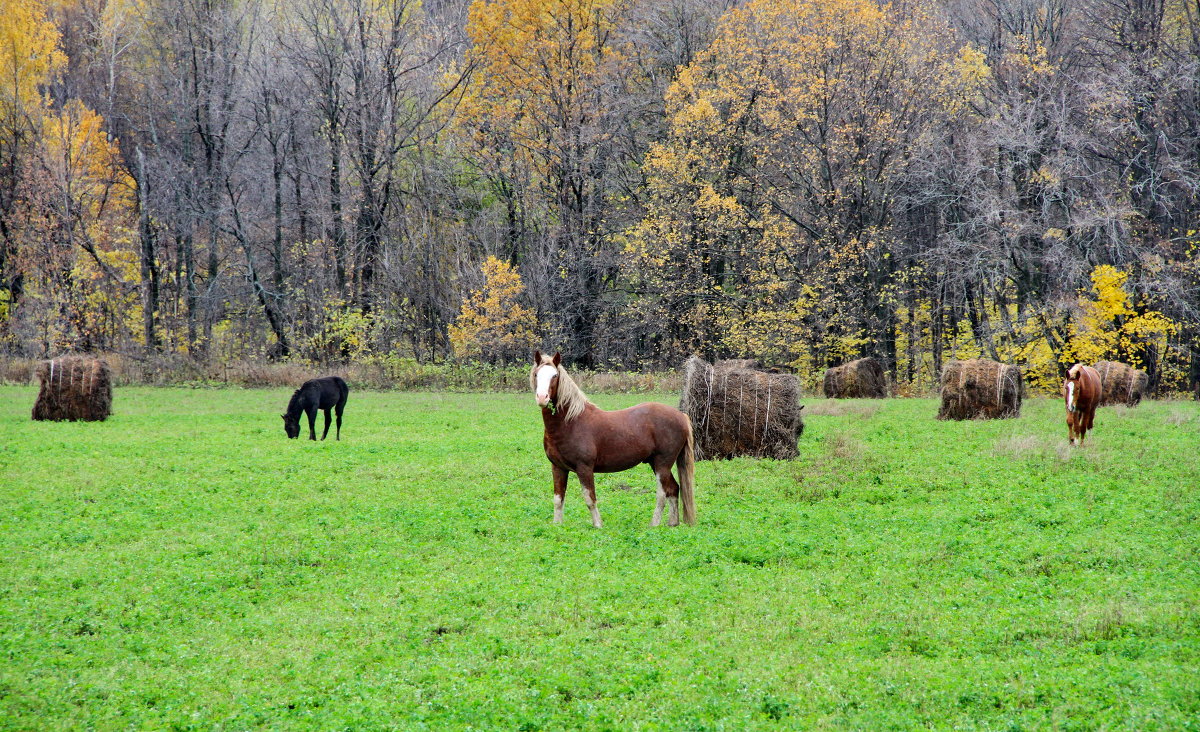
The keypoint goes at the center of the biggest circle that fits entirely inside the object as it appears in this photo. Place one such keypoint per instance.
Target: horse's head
(1071, 386)
(543, 378)
(291, 425)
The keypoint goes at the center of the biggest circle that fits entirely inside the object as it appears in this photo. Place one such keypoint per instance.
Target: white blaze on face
(544, 374)
(1071, 396)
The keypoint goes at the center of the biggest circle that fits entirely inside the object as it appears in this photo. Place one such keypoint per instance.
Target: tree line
(632, 181)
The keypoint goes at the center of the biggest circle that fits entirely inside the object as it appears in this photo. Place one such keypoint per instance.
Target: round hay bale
(1123, 384)
(733, 364)
(980, 389)
(73, 388)
(863, 378)
(741, 411)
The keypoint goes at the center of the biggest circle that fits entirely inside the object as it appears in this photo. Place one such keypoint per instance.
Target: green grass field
(183, 565)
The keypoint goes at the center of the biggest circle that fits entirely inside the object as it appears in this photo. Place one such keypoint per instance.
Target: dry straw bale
(731, 364)
(73, 388)
(980, 389)
(741, 411)
(1123, 384)
(860, 379)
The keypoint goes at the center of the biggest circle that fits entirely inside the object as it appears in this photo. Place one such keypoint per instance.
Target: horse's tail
(686, 464)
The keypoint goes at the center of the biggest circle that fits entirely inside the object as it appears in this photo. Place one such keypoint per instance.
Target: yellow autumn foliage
(538, 67)
(1110, 327)
(493, 326)
(29, 56)
(754, 234)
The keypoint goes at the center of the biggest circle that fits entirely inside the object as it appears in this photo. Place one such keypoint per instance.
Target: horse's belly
(616, 466)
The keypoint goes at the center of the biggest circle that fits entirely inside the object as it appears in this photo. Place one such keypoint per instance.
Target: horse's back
(330, 390)
(1092, 386)
(656, 411)
(665, 425)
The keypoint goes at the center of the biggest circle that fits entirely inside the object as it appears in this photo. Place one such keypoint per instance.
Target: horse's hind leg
(338, 411)
(588, 484)
(668, 491)
(328, 418)
(659, 502)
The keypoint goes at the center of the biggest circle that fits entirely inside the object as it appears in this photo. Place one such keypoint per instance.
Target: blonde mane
(571, 398)
(1075, 371)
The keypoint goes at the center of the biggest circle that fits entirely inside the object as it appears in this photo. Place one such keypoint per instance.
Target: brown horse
(1081, 390)
(584, 439)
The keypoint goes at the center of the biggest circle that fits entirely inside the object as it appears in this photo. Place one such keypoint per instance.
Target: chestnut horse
(584, 439)
(1081, 390)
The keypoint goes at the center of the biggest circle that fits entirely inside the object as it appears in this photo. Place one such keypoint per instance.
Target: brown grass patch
(1177, 418)
(1100, 624)
(835, 408)
(1020, 445)
(845, 447)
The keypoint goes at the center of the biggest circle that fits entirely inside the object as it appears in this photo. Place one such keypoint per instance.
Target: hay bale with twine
(739, 411)
(73, 388)
(1123, 384)
(980, 389)
(860, 379)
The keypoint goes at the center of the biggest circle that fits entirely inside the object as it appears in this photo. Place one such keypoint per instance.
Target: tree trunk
(148, 262)
(335, 205)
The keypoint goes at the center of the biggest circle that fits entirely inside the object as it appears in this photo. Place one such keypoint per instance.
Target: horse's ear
(557, 358)
(283, 417)
(537, 357)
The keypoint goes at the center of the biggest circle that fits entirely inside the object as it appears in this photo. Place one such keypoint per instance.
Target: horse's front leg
(588, 484)
(312, 424)
(328, 419)
(560, 491)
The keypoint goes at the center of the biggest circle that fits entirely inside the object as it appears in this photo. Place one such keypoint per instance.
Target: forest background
(632, 181)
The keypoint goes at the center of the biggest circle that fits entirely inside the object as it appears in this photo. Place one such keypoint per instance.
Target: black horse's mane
(294, 407)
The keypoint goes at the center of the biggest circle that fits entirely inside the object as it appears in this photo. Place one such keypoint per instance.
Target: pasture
(183, 565)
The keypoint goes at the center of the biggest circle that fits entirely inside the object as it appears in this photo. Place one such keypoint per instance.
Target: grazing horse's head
(291, 425)
(544, 378)
(291, 418)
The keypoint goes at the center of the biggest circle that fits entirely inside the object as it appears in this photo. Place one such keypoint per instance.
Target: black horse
(327, 392)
